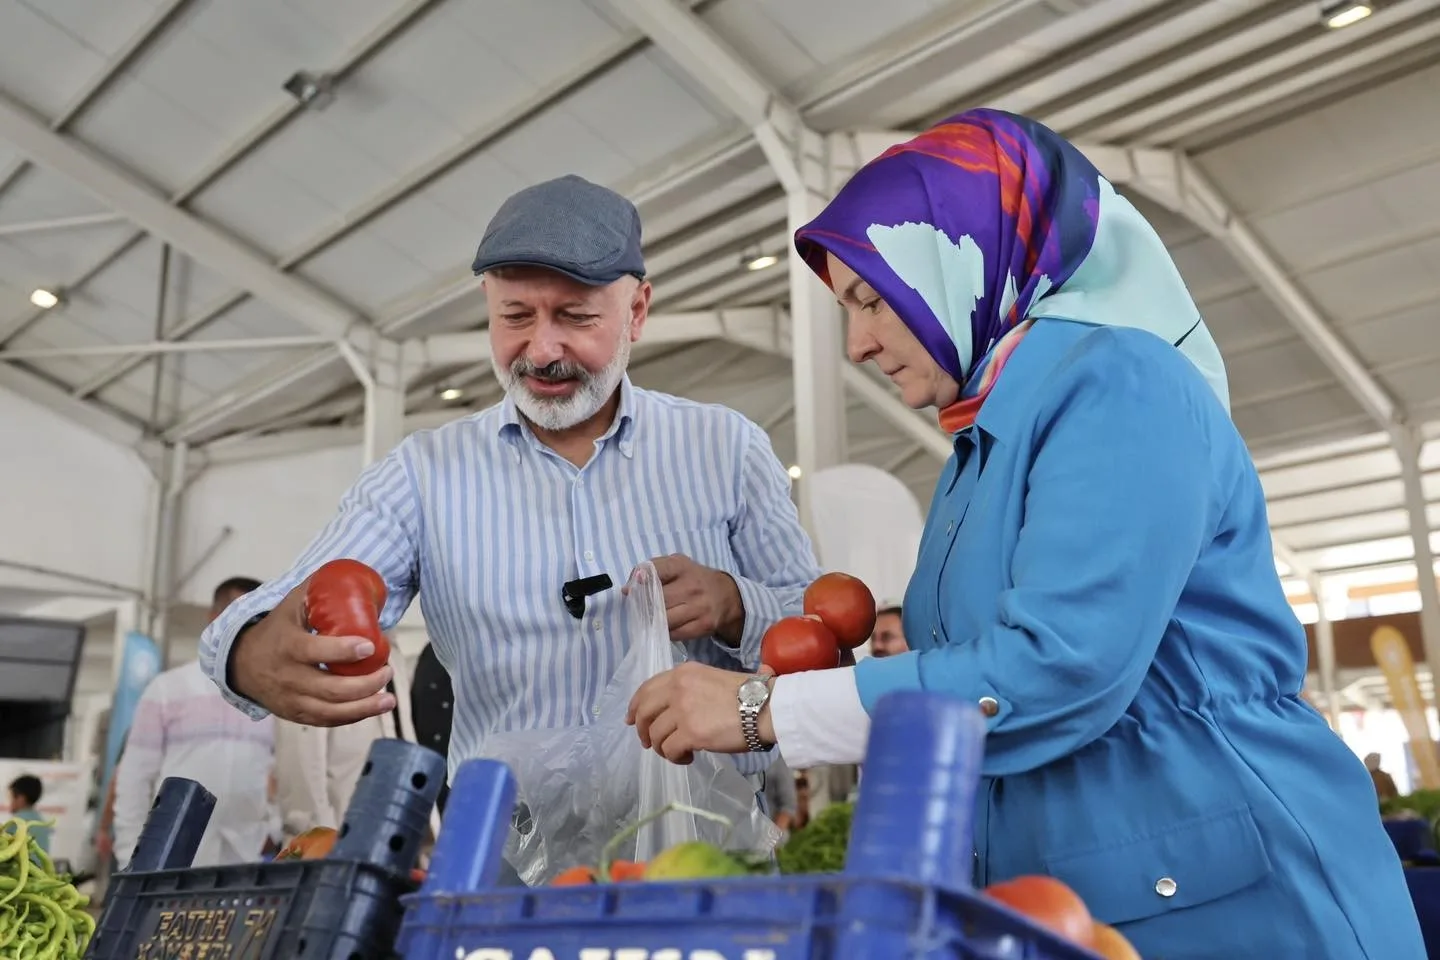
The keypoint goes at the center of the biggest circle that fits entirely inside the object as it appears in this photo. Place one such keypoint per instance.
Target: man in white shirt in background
(184, 727)
(317, 768)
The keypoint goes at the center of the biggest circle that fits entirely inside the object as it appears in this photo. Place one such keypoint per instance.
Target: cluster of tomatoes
(839, 615)
(1048, 903)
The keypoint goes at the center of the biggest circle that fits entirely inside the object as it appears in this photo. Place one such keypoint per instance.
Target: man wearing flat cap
(507, 522)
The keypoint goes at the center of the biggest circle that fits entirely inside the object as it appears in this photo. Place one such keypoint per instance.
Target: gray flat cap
(570, 225)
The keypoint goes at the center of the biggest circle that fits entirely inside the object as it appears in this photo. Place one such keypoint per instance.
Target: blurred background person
(184, 727)
(1385, 788)
(888, 638)
(317, 768)
(25, 793)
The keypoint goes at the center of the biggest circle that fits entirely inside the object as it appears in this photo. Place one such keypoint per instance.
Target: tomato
(1048, 903)
(797, 644)
(1111, 944)
(574, 877)
(845, 605)
(417, 876)
(343, 599)
(623, 871)
(314, 844)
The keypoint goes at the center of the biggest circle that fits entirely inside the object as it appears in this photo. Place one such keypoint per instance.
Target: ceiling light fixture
(314, 91)
(451, 393)
(795, 471)
(44, 299)
(761, 262)
(1344, 13)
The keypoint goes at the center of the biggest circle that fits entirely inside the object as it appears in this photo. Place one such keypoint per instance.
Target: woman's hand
(693, 707)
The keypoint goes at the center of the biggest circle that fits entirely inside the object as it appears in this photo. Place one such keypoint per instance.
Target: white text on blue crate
(622, 953)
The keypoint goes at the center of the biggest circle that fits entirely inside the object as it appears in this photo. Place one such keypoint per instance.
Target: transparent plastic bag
(581, 786)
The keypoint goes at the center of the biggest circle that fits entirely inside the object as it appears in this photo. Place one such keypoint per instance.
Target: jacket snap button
(990, 706)
(1165, 887)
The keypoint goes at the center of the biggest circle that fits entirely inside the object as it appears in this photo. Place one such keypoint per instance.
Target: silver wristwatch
(753, 695)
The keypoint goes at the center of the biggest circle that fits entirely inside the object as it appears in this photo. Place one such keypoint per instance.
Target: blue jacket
(1096, 570)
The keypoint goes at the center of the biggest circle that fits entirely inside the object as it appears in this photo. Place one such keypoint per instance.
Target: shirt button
(1165, 886)
(596, 711)
(989, 706)
(596, 623)
(589, 554)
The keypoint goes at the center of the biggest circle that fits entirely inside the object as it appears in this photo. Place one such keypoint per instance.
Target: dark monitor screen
(38, 659)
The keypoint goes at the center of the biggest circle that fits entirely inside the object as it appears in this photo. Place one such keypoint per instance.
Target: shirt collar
(1009, 400)
(622, 429)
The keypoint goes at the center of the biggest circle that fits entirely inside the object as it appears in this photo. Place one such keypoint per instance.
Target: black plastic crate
(343, 907)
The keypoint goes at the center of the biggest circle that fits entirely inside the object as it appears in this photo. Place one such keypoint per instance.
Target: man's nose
(546, 345)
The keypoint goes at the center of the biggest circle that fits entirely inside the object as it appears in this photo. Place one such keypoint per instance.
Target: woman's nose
(860, 342)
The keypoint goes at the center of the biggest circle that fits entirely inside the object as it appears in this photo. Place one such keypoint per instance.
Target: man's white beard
(562, 413)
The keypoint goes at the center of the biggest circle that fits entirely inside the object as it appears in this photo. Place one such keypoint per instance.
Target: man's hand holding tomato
(276, 663)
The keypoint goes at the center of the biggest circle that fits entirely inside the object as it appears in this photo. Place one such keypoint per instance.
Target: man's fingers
(669, 568)
(313, 712)
(333, 688)
(661, 730)
(313, 649)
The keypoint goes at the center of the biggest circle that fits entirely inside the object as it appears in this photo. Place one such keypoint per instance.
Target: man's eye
(872, 306)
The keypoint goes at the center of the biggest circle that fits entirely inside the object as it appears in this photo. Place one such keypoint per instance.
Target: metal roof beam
(192, 235)
(1173, 180)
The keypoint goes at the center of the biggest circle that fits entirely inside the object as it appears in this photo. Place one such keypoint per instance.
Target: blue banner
(138, 666)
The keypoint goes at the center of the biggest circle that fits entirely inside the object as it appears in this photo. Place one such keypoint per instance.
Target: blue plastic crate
(343, 907)
(905, 893)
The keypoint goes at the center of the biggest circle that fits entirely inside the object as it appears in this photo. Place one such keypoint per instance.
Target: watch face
(753, 692)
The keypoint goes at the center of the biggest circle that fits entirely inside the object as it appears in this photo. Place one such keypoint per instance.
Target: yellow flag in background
(1392, 653)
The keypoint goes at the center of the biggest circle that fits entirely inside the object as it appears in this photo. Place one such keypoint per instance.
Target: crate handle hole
(419, 780)
(300, 947)
(397, 843)
(345, 828)
(366, 769)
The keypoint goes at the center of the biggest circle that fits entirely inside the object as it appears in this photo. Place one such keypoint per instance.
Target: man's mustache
(552, 372)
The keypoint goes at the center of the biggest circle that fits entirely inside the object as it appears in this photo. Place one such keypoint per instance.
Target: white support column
(384, 374)
(1325, 650)
(800, 160)
(1408, 446)
(165, 524)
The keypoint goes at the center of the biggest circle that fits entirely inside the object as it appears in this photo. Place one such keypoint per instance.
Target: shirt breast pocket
(707, 546)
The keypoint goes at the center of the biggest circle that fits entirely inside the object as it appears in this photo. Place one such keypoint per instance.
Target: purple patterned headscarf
(988, 221)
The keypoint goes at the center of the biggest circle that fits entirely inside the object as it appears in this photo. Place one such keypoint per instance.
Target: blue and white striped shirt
(486, 524)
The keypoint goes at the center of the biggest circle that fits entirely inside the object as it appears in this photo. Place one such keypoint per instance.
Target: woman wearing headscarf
(1096, 572)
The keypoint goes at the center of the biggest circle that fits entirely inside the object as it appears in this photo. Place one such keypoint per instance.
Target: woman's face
(876, 333)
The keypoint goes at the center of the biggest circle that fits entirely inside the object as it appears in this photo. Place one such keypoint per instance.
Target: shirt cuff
(762, 609)
(875, 677)
(218, 668)
(819, 719)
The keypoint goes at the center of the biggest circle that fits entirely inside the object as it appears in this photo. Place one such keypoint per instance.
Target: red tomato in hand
(1048, 903)
(797, 644)
(343, 599)
(845, 605)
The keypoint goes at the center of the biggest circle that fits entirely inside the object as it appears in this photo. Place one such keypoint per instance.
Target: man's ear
(640, 309)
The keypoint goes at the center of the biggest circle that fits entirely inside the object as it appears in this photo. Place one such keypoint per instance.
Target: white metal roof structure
(238, 266)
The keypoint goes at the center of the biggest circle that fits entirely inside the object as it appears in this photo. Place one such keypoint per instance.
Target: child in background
(25, 794)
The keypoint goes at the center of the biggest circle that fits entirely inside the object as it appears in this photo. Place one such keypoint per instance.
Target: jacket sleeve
(1121, 497)
(377, 523)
